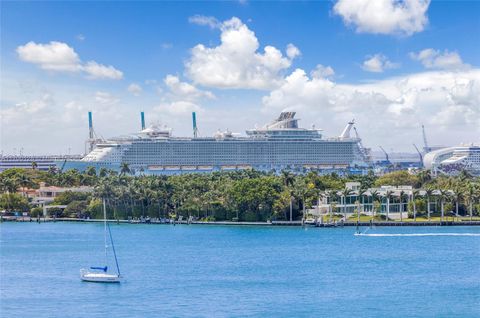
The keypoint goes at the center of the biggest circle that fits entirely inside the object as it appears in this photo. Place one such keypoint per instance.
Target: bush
(419, 204)
(76, 209)
(35, 212)
(209, 219)
(249, 216)
(13, 202)
(94, 209)
(448, 207)
(68, 196)
(57, 212)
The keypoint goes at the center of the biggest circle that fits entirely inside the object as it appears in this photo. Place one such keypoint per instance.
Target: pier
(271, 223)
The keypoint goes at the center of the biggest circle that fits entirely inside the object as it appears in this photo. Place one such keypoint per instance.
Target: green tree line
(246, 195)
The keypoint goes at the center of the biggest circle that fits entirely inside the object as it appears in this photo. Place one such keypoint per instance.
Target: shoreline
(231, 223)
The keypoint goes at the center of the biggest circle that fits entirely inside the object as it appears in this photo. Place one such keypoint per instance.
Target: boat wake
(418, 234)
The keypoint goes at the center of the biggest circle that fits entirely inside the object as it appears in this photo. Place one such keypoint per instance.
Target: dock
(240, 223)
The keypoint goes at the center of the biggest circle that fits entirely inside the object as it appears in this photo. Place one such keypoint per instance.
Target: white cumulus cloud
(54, 56)
(198, 19)
(403, 17)
(378, 63)
(135, 89)
(435, 59)
(321, 71)
(29, 108)
(59, 57)
(184, 90)
(292, 51)
(447, 101)
(99, 71)
(175, 108)
(105, 98)
(236, 62)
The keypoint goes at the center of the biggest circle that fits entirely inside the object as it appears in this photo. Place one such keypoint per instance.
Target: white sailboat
(99, 274)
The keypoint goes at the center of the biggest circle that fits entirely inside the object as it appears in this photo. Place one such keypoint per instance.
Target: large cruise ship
(280, 145)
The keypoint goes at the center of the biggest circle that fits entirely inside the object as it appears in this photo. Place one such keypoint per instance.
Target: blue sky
(148, 41)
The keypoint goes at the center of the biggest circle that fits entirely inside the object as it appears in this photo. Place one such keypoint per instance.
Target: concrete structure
(453, 160)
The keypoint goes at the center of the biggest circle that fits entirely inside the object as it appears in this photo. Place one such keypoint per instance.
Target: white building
(46, 194)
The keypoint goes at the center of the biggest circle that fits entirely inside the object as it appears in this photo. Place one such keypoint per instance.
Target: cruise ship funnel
(194, 122)
(90, 125)
(142, 118)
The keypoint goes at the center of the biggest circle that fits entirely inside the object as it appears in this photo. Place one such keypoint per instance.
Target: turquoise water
(221, 271)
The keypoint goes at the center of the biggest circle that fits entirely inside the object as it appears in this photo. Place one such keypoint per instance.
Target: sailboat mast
(113, 248)
(105, 229)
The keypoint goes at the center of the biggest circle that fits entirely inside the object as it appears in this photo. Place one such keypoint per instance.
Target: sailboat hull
(99, 277)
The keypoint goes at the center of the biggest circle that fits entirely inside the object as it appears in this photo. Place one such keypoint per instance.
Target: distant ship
(38, 162)
(453, 160)
(276, 146)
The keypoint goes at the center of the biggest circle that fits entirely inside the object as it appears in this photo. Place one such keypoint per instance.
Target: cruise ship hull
(171, 157)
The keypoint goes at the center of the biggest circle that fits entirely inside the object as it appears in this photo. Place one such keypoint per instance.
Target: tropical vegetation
(246, 195)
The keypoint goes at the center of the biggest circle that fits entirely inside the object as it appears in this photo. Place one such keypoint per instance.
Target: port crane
(387, 158)
(420, 155)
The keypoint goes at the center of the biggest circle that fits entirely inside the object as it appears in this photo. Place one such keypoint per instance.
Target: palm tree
(124, 168)
(361, 195)
(401, 196)
(288, 179)
(8, 185)
(302, 189)
(90, 171)
(34, 165)
(102, 190)
(388, 195)
(444, 195)
(375, 198)
(457, 196)
(424, 176)
(321, 195)
(344, 194)
(51, 170)
(464, 175)
(470, 196)
(333, 196)
(428, 194)
(415, 193)
(24, 181)
(103, 172)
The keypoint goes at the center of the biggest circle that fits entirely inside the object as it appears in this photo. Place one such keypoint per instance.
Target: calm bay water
(222, 271)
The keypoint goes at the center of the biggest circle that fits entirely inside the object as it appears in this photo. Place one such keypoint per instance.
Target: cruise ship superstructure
(280, 145)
